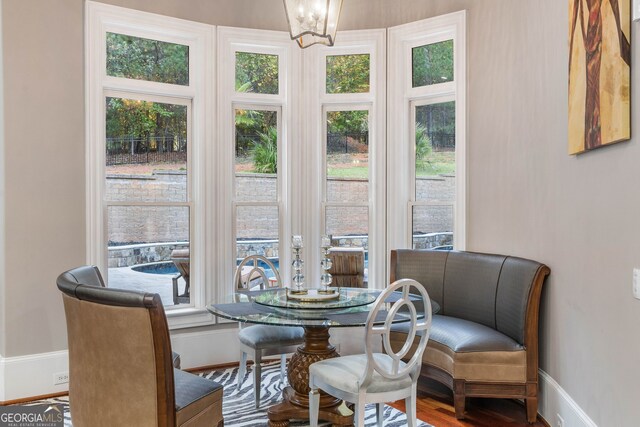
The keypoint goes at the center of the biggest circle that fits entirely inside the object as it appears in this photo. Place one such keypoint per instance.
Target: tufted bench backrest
(493, 290)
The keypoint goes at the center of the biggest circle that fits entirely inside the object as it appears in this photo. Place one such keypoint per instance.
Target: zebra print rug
(238, 406)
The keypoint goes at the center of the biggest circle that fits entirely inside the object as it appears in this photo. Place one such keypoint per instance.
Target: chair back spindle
(419, 324)
(249, 269)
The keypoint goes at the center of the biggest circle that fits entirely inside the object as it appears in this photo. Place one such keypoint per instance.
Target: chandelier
(313, 21)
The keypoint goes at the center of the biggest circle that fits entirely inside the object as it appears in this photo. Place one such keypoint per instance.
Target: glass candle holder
(297, 264)
(326, 279)
(296, 241)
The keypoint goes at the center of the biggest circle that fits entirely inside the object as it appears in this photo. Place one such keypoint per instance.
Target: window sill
(189, 317)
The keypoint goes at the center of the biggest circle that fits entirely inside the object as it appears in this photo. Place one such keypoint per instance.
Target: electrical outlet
(60, 378)
(636, 283)
(559, 421)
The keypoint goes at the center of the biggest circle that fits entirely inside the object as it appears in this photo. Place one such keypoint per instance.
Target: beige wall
(2, 200)
(44, 173)
(527, 197)
(261, 14)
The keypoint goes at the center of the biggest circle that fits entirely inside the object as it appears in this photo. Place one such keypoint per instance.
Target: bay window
(208, 144)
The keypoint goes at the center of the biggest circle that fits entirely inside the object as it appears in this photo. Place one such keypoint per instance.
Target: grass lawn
(438, 163)
(349, 172)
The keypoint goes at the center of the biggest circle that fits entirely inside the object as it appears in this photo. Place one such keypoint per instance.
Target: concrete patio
(161, 284)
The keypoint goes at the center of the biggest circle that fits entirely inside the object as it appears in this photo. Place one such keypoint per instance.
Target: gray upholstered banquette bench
(484, 340)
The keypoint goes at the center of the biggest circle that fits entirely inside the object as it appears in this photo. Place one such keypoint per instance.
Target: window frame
(303, 104)
(230, 41)
(198, 96)
(326, 109)
(403, 98)
(372, 42)
(440, 98)
(278, 203)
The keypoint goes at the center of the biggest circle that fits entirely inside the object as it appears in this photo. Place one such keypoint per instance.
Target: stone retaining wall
(129, 225)
(126, 256)
(129, 255)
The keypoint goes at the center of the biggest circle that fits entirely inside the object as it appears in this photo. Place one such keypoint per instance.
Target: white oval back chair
(257, 341)
(378, 377)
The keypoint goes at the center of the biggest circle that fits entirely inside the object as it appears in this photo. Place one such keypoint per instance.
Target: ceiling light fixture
(313, 21)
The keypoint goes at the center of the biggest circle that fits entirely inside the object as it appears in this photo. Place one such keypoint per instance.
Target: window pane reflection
(348, 156)
(432, 63)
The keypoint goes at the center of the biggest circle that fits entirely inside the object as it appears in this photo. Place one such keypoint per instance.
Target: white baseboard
(206, 348)
(32, 375)
(221, 346)
(28, 376)
(2, 399)
(555, 400)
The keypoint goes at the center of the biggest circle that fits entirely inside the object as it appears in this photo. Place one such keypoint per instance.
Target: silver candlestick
(297, 264)
(326, 263)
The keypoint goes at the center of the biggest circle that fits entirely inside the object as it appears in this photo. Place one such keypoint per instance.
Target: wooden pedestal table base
(296, 396)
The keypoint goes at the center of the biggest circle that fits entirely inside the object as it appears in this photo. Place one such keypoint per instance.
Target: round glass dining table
(349, 308)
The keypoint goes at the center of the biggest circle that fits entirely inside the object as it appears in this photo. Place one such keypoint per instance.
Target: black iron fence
(442, 141)
(338, 143)
(245, 143)
(128, 150)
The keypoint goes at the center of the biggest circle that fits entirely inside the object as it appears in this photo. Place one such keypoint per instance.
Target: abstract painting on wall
(599, 73)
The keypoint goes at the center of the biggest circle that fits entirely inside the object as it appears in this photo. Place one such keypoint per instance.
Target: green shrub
(265, 152)
(423, 147)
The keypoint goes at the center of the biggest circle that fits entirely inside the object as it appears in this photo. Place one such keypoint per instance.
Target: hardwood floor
(435, 406)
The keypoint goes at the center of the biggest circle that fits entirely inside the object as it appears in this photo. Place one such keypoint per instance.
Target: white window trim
(199, 94)
(230, 41)
(370, 42)
(302, 104)
(400, 150)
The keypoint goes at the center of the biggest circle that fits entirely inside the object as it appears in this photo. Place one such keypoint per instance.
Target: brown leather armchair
(90, 275)
(120, 360)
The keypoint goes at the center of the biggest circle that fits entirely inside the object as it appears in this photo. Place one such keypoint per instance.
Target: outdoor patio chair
(347, 267)
(180, 258)
(257, 341)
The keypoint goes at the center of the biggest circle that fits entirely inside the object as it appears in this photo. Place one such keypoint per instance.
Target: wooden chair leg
(459, 399)
(187, 289)
(175, 289)
(532, 409)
